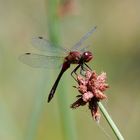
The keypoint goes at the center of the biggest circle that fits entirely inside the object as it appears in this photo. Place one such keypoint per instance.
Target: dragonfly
(58, 57)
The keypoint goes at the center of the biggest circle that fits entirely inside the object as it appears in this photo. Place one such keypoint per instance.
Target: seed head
(91, 88)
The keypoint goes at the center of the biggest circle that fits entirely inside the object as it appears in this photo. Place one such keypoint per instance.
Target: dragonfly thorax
(73, 57)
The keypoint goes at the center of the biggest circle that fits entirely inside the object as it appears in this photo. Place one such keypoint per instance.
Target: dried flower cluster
(91, 86)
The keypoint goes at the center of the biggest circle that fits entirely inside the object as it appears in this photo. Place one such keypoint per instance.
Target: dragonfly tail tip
(50, 97)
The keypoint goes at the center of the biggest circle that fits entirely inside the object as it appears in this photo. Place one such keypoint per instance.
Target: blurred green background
(24, 111)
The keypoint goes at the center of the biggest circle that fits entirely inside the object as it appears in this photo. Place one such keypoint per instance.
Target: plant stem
(110, 122)
(66, 116)
(37, 110)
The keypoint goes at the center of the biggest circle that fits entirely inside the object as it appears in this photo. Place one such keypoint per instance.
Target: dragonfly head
(87, 56)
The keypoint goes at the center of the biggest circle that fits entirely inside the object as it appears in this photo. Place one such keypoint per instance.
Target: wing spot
(28, 53)
(40, 37)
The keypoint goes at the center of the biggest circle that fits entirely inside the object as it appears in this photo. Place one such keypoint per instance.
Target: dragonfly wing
(41, 61)
(44, 45)
(77, 46)
(85, 48)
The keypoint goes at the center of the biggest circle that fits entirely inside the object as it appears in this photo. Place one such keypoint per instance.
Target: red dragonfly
(61, 57)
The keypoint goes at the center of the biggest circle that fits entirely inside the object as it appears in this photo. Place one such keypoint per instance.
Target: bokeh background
(24, 111)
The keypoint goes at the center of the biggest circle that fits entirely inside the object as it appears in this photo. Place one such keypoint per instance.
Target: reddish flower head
(91, 86)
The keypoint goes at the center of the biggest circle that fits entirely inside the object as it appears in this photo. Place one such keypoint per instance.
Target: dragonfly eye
(87, 56)
(86, 53)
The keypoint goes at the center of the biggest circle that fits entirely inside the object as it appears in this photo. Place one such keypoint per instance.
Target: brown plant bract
(91, 88)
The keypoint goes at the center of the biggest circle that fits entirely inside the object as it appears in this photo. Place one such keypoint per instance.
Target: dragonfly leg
(84, 68)
(87, 67)
(74, 72)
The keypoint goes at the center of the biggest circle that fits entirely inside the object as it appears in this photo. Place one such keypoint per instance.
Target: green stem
(53, 22)
(110, 122)
(66, 116)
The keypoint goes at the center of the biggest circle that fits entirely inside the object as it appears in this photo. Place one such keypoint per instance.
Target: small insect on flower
(91, 88)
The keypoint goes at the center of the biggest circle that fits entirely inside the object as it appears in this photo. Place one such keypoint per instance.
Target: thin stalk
(37, 109)
(67, 120)
(110, 122)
